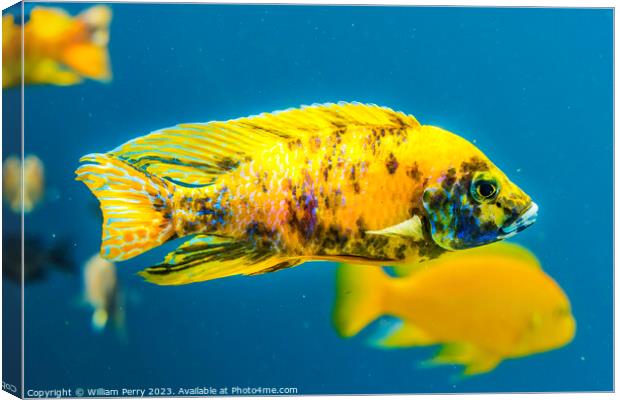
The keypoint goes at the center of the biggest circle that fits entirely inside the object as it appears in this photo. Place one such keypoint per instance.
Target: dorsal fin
(194, 154)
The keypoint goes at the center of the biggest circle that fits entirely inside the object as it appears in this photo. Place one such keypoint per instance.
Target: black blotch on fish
(398, 120)
(307, 223)
(436, 200)
(361, 227)
(391, 164)
(352, 174)
(294, 143)
(293, 220)
(511, 214)
(255, 230)
(427, 248)
(279, 266)
(158, 204)
(474, 164)
(449, 179)
(376, 246)
(414, 172)
(227, 163)
(338, 197)
(488, 226)
(316, 141)
(333, 238)
(400, 252)
(337, 134)
(414, 209)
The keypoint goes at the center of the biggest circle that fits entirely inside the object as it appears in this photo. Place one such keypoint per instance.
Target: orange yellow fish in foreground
(484, 305)
(343, 182)
(58, 49)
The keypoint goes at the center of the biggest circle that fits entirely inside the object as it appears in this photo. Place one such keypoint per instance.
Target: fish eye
(484, 188)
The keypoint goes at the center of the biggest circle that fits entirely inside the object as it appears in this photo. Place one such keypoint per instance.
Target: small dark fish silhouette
(39, 258)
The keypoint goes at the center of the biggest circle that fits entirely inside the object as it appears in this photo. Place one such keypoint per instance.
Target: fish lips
(527, 218)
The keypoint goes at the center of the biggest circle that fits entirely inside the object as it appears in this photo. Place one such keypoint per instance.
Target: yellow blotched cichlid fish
(58, 49)
(337, 182)
(483, 305)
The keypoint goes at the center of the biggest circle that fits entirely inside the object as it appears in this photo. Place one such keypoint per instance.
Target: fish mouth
(527, 218)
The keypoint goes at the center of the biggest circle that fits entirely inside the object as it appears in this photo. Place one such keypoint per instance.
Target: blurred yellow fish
(58, 49)
(34, 182)
(102, 293)
(484, 305)
(341, 182)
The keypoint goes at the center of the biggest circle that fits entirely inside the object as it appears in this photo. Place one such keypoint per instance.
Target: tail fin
(360, 294)
(137, 214)
(90, 58)
(97, 19)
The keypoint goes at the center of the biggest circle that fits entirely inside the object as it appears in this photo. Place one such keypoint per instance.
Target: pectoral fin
(408, 335)
(410, 228)
(205, 258)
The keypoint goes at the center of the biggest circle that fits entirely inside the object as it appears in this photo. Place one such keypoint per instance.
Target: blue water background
(531, 87)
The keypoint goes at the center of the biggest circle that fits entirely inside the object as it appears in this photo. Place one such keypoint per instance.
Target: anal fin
(476, 361)
(481, 365)
(204, 258)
